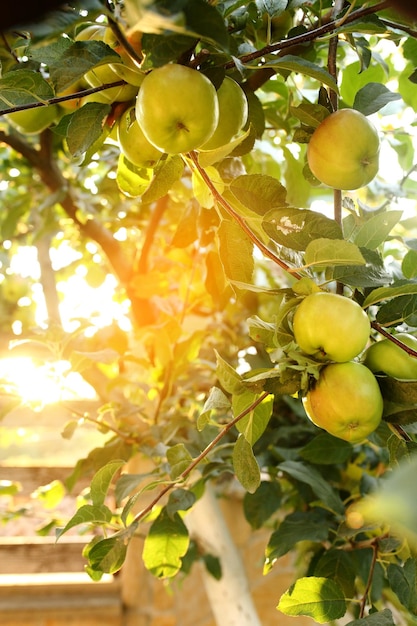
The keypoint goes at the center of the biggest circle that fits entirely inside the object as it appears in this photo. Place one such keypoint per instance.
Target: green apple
(343, 151)
(33, 121)
(233, 114)
(385, 356)
(345, 401)
(177, 108)
(133, 142)
(330, 326)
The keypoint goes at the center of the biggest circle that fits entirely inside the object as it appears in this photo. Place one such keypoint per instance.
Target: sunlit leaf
(108, 555)
(165, 544)
(386, 293)
(375, 230)
(252, 425)
(235, 250)
(259, 192)
(245, 465)
(87, 514)
(318, 597)
(321, 253)
(179, 459)
(297, 228)
(102, 480)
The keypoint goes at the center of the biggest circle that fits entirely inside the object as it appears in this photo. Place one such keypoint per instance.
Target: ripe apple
(385, 356)
(330, 326)
(345, 401)
(133, 142)
(33, 121)
(233, 114)
(177, 108)
(343, 151)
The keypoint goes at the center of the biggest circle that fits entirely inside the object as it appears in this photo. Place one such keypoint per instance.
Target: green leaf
(87, 514)
(354, 78)
(229, 379)
(253, 425)
(206, 21)
(387, 293)
(180, 500)
(326, 450)
(381, 618)
(108, 555)
(309, 475)
(131, 180)
(370, 275)
(374, 231)
(179, 459)
(302, 66)
(299, 526)
(166, 174)
(165, 544)
(260, 505)
(259, 192)
(322, 253)
(309, 114)
(399, 391)
(245, 465)
(235, 250)
(319, 598)
(398, 310)
(372, 97)
(297, 228)
(22, 87)
(9, 488)
(402, 580)
(409, 264)
(340, 567)
(102, 480)
(86, 126)
(216, 401)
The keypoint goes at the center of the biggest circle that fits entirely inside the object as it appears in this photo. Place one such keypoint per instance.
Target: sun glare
(39, 385)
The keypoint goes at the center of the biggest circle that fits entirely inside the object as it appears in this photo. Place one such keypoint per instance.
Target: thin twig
(394, 339)
(362, 605)
(200, 457)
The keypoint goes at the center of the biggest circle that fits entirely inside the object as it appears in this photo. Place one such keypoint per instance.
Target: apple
(343, 151)
(331, 327)
(33, 121)
(133, 142)
(385, 356)
(233, 114)
(345, 401)
(177, 108)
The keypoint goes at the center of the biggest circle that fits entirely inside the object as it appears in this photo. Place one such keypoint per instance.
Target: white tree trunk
(229, 597)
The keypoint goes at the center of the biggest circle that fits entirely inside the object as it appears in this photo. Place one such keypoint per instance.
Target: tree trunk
(229, 597)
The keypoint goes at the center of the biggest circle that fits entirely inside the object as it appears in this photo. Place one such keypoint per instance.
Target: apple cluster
(346, 400)
(172, 109)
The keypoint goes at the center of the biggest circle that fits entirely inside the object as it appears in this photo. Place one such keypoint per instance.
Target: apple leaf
(375, 230)
(85, 127)
(235, 250)
(381, 618)
(372, 274)
(302, 66)
(108, 555)
(22, 87)
(260, 505)
(322, 253)
(318, 597)
(399, 391)
(310, 114)
(102, 479)
(252, 425)
(409, 264)
(245, 465)
(259, 192)
(387, 293)
(273, 8)
(298, 526)
(165, 175)
(326, 450)
(398, 310)
(165, 544)
(372, 97)
(307, 474)
(179, 459)
(131, 180)
(297, 228)
(216, 401)
(87, 514)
